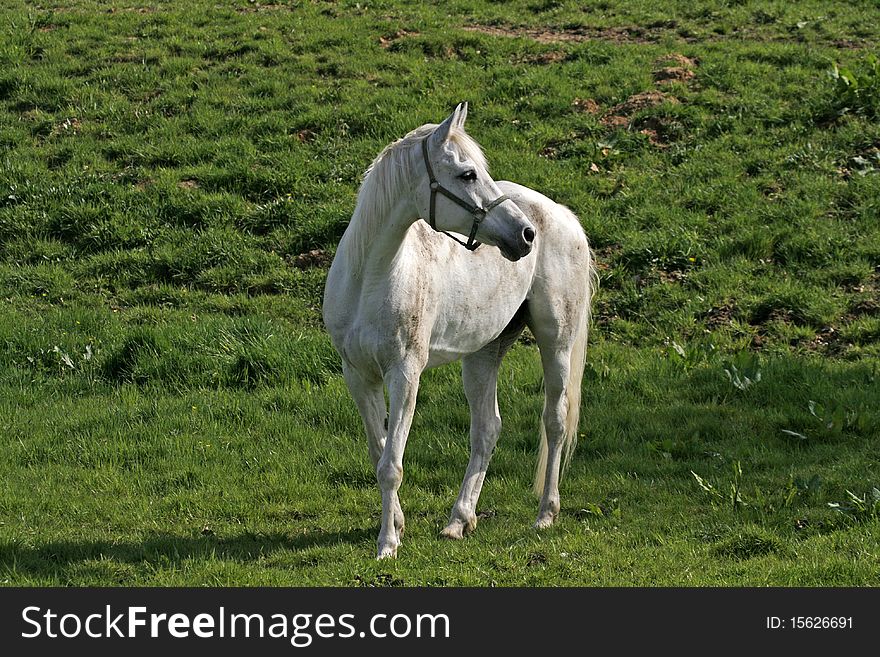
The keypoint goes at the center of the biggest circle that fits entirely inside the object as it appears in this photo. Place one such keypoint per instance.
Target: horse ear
(454, 120)
(462, 114)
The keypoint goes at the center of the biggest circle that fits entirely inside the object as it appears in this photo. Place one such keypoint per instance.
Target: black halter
(478, 212)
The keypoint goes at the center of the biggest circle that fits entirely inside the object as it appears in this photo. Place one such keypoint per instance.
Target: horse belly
(464, 332)
(480, 293)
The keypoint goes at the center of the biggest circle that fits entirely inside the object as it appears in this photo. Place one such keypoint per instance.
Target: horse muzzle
(520, 246)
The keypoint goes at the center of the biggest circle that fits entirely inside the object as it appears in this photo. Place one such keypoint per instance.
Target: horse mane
(383, 182)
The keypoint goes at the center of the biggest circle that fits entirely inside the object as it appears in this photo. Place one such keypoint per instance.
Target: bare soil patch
(587, 105)
(314, 258)
(674, 67)
(654, 128)
(254, 7)
(624, 34)
(677, 59)
(388, 40)
(642, 101)
(669, 74)
(718, 316)
(544, 58)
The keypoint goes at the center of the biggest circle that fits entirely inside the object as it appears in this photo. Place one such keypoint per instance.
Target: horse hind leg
(479, 373)
(562, 341)
(553, 437)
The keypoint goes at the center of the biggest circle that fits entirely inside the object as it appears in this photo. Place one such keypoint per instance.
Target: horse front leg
(366, 390)
(403, 385)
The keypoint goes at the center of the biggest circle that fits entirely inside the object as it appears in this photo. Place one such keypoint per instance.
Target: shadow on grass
(167, 549)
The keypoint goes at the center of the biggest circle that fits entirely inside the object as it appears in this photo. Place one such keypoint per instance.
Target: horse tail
(573, 386)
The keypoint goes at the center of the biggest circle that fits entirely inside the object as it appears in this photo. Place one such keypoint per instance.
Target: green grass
(172, 413)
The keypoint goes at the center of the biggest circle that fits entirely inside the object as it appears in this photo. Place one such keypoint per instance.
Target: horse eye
(469, 175)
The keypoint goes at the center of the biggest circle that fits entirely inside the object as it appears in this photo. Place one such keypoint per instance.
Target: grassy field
(174, 178)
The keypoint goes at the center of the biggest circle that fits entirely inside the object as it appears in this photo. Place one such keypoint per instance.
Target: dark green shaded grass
(173, 413)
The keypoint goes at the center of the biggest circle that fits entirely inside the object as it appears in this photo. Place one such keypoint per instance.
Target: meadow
(174, 178)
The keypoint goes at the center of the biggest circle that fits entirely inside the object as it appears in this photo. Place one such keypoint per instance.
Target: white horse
(401, 297)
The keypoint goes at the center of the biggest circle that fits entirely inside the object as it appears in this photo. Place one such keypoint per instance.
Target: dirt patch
(677, 59)
(312, 259)
(550, 152)
(605, 255)
(536, 559)
(718, 316)
(674, 67)
(306, 136)
(254, 7)
(587, 105)
(670, 74)
(624, 34)
(867, 299)
(654, 137)
(767, 315)
(848, 44)
(388, 40)
(865, 308)
(542, 59)
(671, 276)
(615, 122)
(70, 126)
(642, 101)
(658, 129)
(649, 34)
(188, 183)
(827, 341)
(620, 116)
(133, 10)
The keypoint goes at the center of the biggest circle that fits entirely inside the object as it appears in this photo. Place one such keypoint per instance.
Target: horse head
(471, 203)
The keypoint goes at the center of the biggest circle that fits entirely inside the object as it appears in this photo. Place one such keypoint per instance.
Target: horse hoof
(459, 527)
(544, 521)
(453, 531)
(387, 552)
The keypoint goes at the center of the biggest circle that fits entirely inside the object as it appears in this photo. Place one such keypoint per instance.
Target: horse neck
(383, 246)
(377, 230)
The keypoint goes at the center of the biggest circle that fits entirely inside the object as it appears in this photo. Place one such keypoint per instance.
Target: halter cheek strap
(479, 213)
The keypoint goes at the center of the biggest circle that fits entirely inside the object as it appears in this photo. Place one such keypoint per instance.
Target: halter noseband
(478, 213)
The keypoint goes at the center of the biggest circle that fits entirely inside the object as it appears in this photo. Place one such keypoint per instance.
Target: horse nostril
(529, 234)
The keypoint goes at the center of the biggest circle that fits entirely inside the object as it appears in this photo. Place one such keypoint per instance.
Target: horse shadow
(167, 549)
